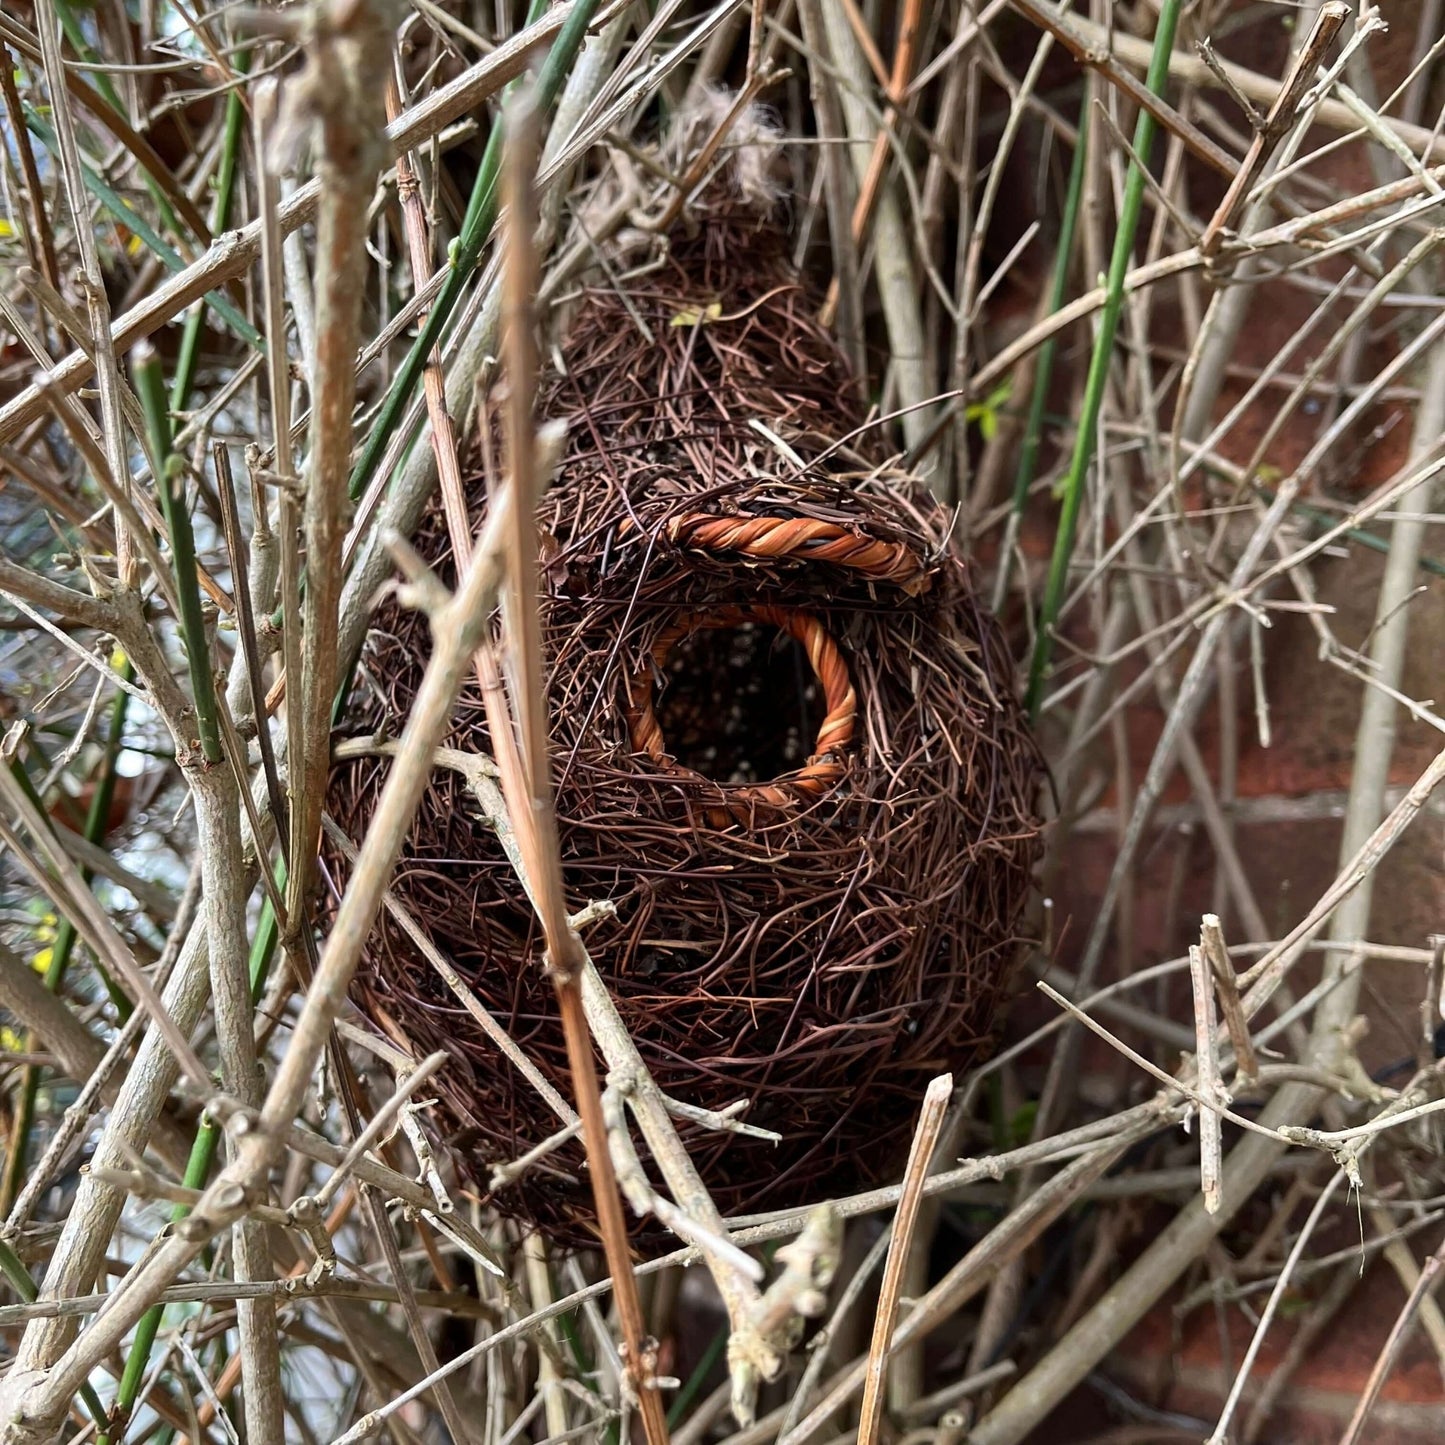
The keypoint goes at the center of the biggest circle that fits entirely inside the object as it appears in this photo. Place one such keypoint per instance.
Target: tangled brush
(786, 747)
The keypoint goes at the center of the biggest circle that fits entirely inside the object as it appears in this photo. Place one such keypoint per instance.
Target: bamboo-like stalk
(169, 473)
(895, 266)
(1102, 358)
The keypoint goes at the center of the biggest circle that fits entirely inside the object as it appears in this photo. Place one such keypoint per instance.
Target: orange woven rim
(808, 540)
(742, 804)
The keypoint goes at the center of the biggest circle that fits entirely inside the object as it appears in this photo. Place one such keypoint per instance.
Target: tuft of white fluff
(748, 159)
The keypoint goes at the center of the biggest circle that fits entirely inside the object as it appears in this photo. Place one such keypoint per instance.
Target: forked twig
(1329, 20)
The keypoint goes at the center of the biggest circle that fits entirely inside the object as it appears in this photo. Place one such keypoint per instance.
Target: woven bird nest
(786, 747)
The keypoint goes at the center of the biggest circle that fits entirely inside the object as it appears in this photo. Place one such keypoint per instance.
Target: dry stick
(1187, 703)
(298, 1280)
(1329, 19)
(747, 1352)
(55, 874)
(1206, 1064)
(347, 63)
(1124, 1129)
(1172, 1083)
(1348, 902)
(81, 1249)
(837, 187)
(827, 1338)
(1401, 1258)
(1286, 234)
(65, 504)
(232, 254)
(454, 981)
(1302, 1346)
(1097, 57)
(475, 333)
(871, 182)
(930, 1122)
(1400, 1109)
(1430, 1004)
(278, 383)
(109, 118)
(1014, 1234)
(271, 245)
(1204, 368)
(131, 512)
(1122, 1305)
(1352, 881)
(443, 434)
(893, 247)
(444, 445)
(1191, 691)
(354, 59)
(549, 1378)
(866, 44)
(1092, 39)
(529, 796)
(375, 1126)
(254, 569)
(170, 1142)
(91, 278)
(30, 1401)
(1394, 1343)
(225, 888)
(1220, 1434)
(1418, 254)
(153, 1073)
(77, 1051)
(39, 231)
(1211, 939)
(77, 328)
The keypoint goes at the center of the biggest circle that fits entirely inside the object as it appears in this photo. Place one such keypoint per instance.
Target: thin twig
(530, 795)
(930, 1122)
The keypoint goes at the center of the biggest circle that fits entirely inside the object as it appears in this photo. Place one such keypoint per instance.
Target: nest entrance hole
(740, 704)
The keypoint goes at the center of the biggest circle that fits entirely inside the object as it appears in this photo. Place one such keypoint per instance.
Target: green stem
(1083, 456)
(190, 350)
(695, 1381)
(198, 1168)
(169, 474)
(467, 249)
(1058, 289)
